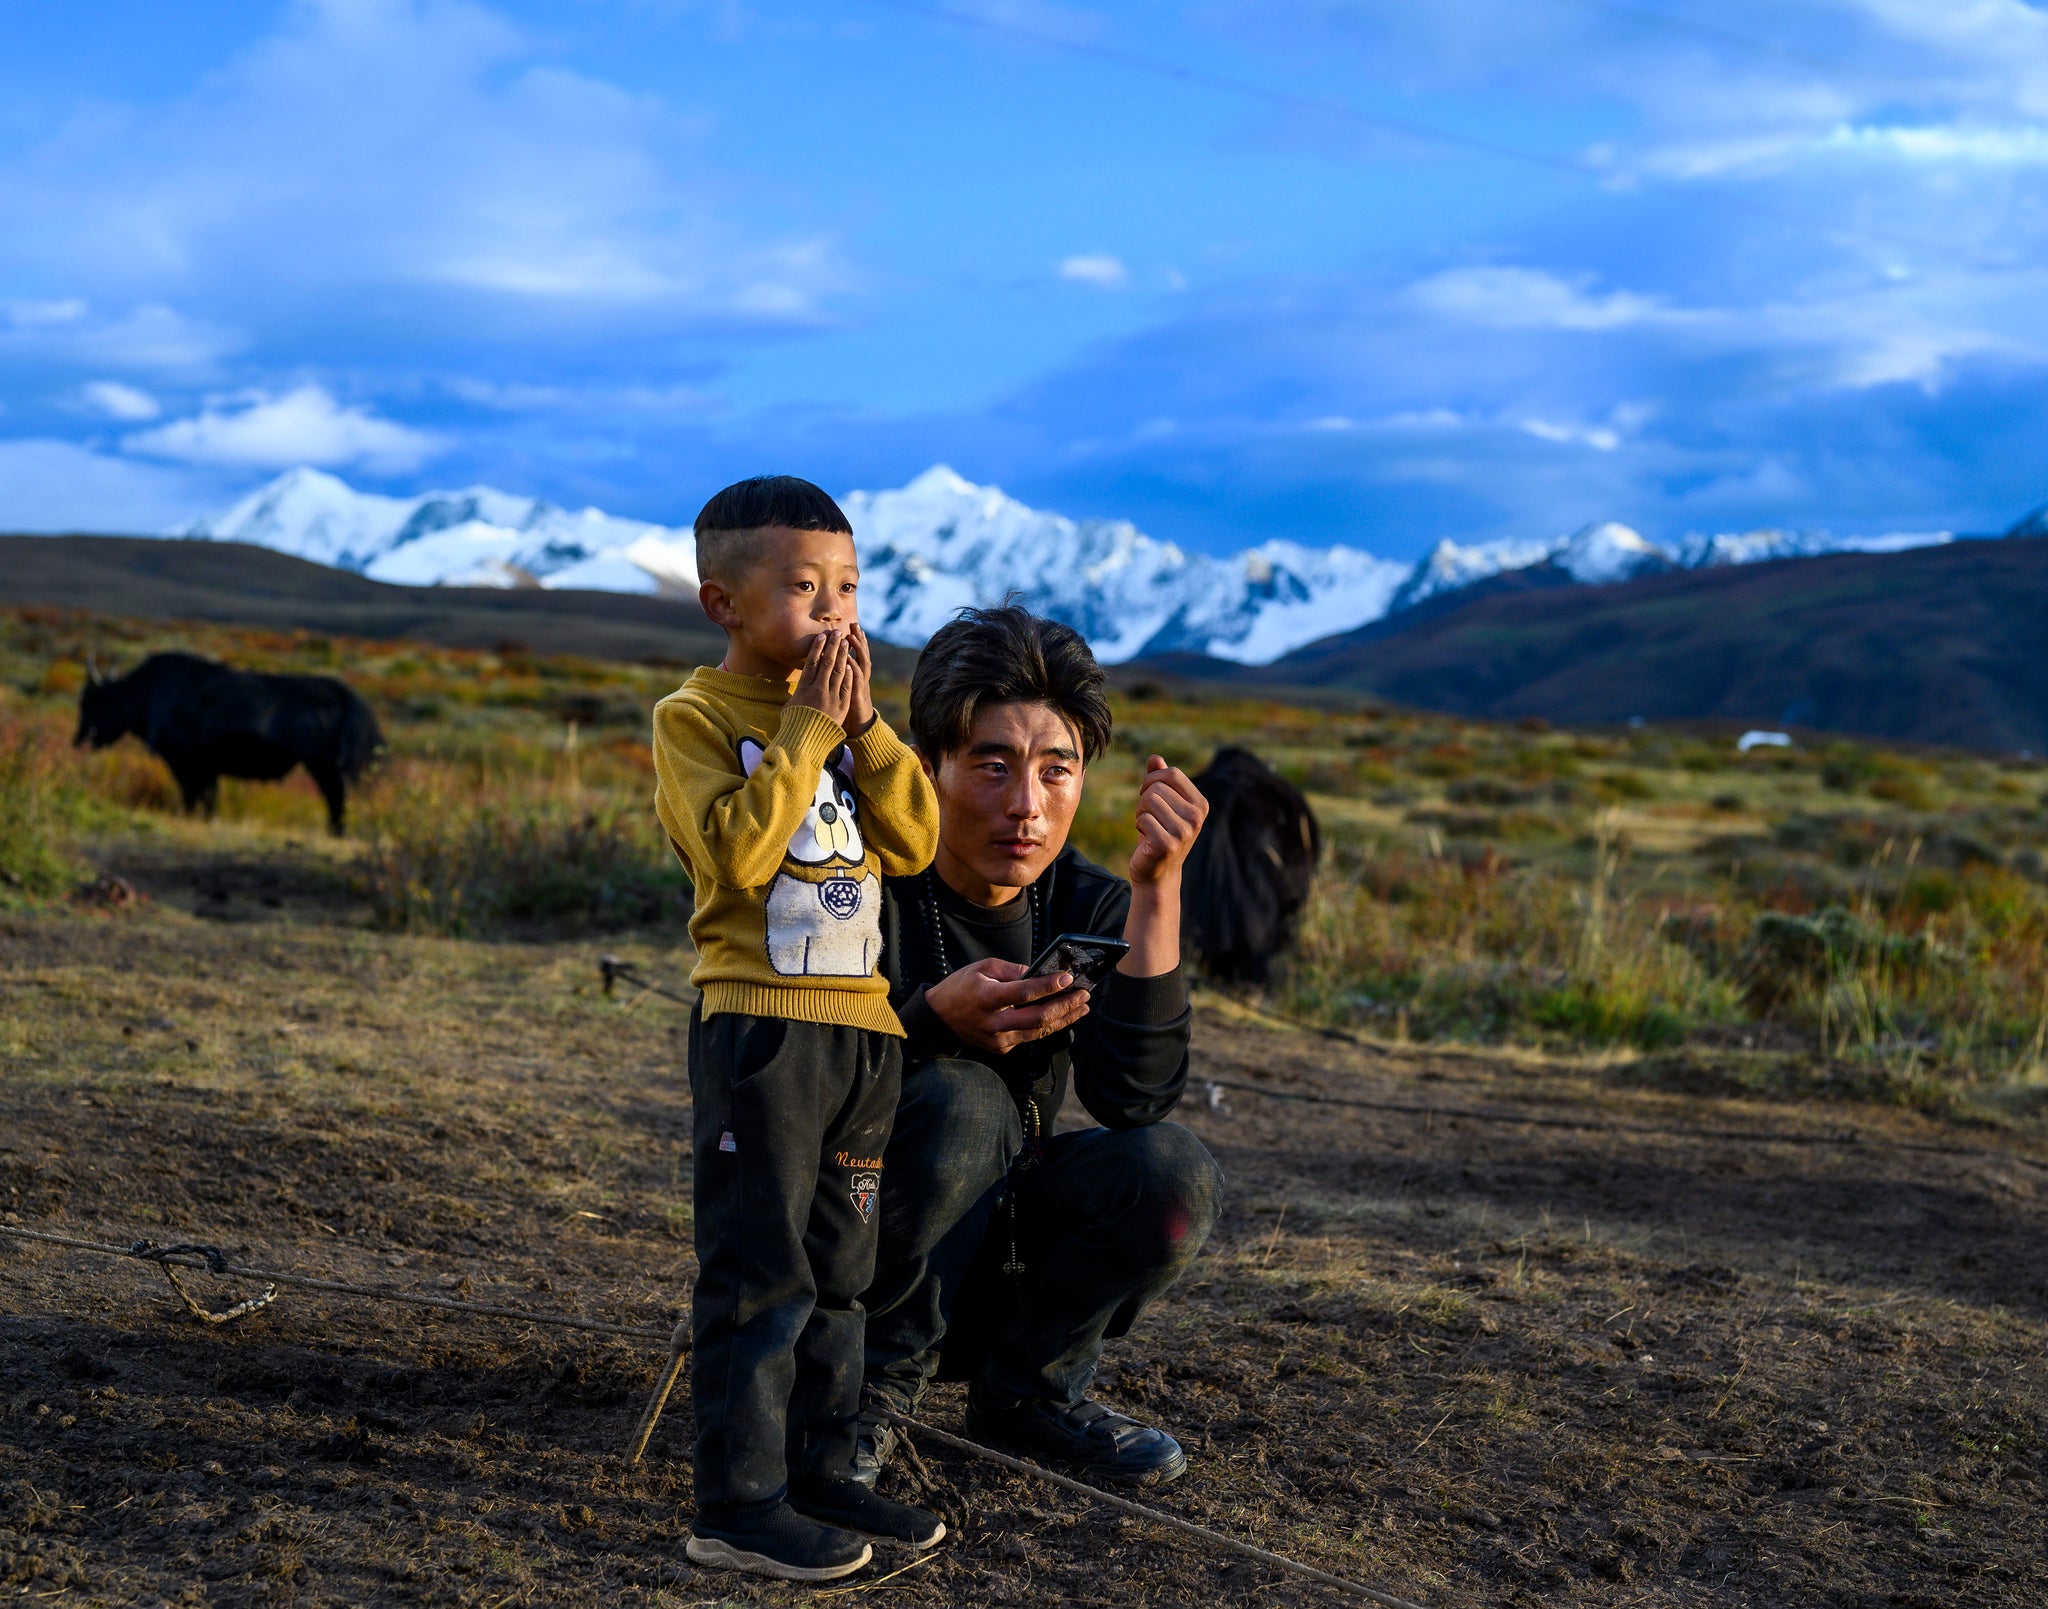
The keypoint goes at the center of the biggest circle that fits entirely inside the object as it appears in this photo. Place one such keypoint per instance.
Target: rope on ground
(616, 971)
(974, 1449)
(1473, 1114)
(678, 1349)
(215, 1261)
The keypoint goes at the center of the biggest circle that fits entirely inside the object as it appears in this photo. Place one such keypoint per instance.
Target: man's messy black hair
(1005, 656)
(729, 519)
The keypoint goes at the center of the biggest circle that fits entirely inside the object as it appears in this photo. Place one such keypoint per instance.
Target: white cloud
(1404, 419)
(1998, 49)
(404, 143)
(1906, 145)
(516, 397)
(305, 426)
(70, 331)
(117, 401)
(42, 315)
(1097, 268)
(1601, 438)
(1529, 298)
(59, 486)
(1912, 334)
(1995, 147)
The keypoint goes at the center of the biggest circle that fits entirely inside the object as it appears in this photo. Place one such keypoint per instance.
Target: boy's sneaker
(874, 1444)
(1085, 1436)
(780, 1543)
(852, 1507)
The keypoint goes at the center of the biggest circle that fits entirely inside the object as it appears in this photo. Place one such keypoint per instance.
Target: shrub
(1482, 950)
(1783, 950)
(34, 862)
(440, 860)
(1904, 788)
(1623, 784)
(1488, 791)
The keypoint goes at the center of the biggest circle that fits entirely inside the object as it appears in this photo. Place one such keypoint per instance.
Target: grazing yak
(1248, 875)
(207, 721)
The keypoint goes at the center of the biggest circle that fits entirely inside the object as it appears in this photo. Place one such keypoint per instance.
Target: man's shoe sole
(722, 1555)
(1114, 1475)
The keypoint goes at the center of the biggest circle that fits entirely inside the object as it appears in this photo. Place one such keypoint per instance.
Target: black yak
(1249, 873)
(208, 721)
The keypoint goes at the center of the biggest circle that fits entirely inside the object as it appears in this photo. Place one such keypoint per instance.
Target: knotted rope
(192, 1255)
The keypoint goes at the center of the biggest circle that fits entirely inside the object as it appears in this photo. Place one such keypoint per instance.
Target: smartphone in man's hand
(1090, 957)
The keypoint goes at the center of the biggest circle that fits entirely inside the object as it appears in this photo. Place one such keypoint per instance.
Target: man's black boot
(1086, 1435)
(850, 1506)
(775, 1540)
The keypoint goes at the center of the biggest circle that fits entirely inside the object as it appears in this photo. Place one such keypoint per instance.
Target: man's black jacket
(1128, 1057)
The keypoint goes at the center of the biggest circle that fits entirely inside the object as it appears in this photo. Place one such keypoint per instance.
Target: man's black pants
(1104, 1223)
(791, 1123)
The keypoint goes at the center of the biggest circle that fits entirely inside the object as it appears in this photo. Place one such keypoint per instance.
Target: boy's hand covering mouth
(826, 682)
(860, 714)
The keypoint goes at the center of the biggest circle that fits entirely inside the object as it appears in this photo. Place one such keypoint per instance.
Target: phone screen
(1090, 957)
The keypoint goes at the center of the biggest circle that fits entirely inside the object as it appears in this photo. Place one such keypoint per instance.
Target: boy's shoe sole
(847, 1505)
(932, 1541)
(723, 1555)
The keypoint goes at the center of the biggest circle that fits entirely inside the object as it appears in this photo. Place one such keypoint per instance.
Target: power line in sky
(1425, 133)
(1246, 89)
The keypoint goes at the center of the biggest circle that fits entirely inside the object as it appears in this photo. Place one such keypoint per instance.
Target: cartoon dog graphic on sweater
(829, 927)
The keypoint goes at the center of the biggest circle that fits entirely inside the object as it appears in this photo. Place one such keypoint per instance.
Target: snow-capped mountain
(942, 542)
(477, 538)
(1757, 547)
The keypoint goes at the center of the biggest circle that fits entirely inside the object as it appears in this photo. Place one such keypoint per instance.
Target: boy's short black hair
(747, 506)
(1005, 656)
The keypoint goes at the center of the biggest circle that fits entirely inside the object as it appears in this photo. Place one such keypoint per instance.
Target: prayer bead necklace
(938, 928)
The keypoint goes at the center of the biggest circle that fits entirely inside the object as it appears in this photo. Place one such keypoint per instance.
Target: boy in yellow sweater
(789, 800)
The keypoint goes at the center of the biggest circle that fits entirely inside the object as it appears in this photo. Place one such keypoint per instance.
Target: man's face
(1007, 797)
(800, 585)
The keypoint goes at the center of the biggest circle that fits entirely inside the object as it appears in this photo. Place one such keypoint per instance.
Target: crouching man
(1011, 1250)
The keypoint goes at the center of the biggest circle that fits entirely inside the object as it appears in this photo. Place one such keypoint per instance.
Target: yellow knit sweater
(788, 830)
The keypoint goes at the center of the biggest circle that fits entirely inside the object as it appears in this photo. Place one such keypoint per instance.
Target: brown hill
(235, 584)
(1941, 645)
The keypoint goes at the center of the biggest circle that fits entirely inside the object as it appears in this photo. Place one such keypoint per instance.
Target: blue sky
(1334, 270)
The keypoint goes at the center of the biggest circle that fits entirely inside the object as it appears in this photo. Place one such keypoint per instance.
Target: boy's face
(800, 585)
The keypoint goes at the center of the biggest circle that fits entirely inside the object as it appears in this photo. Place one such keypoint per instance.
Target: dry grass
(1477, 1362)
(1634, 891)
(1472, 1363)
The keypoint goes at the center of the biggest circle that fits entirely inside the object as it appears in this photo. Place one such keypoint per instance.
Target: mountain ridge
(1938, 645)
(942, 542)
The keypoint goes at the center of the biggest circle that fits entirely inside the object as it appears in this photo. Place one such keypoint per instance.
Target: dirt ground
(1468, 1362)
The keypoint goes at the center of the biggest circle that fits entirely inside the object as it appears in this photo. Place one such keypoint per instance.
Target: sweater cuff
(925, 1033)
(808, 735)
(1149, 1002)
(876, 749)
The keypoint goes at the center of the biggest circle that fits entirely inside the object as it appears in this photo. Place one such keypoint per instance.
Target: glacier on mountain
(942, 543)
(478, 537)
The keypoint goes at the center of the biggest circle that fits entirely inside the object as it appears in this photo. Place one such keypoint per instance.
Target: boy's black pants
(791, 1121)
